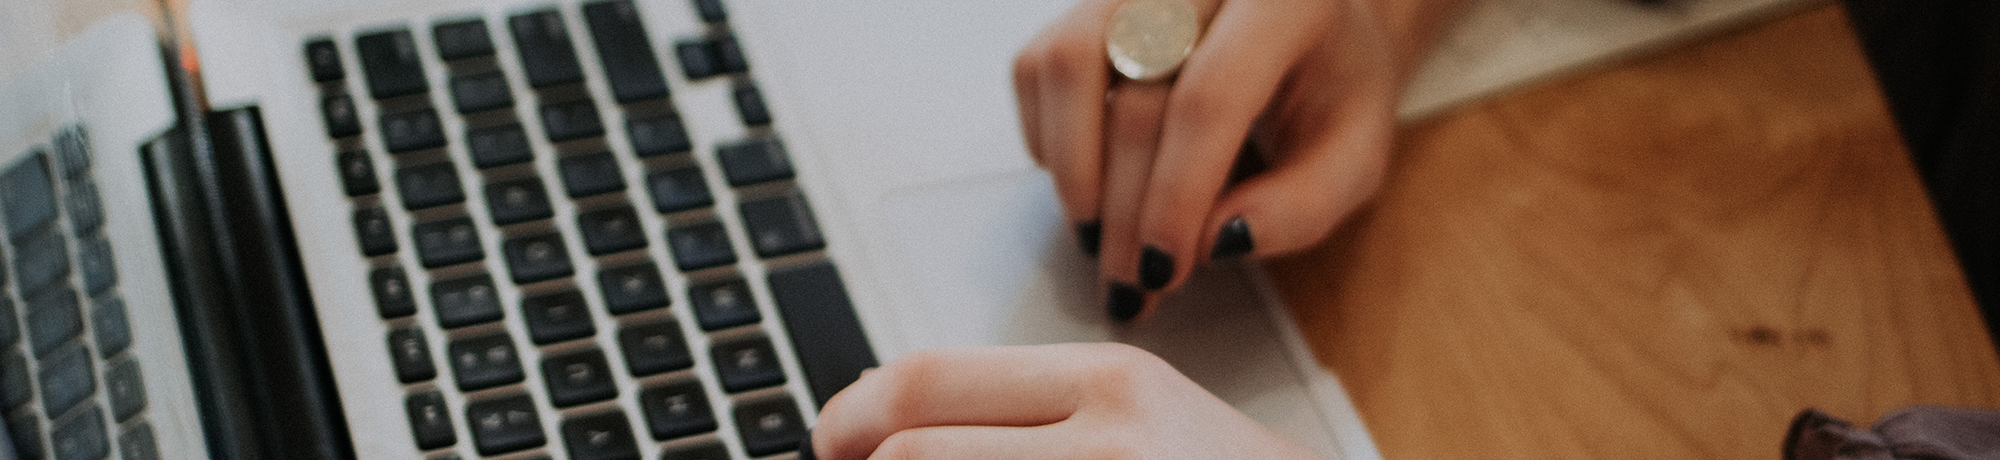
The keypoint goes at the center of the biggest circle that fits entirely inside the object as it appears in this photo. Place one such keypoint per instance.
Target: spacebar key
(820, 320)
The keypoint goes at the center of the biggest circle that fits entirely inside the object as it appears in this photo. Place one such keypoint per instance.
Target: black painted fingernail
(1123, 302)
(806, 446)
(1233, 240)
(1156, 268)
(1088, 236)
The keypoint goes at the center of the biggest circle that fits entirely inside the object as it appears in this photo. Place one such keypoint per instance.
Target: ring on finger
(1148, 39)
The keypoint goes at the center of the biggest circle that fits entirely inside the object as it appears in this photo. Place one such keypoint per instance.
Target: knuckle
(903, 445)
(1071, 58)
(905, 378)
(1196, 104)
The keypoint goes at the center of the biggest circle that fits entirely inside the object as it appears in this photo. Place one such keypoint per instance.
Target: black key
(110, 327)
(86, 213)
(73, 149)
(430, 420)
(10, 330)
(546, 53)
(700, 246)
(750, 105)
(781, 225)
(697, 59)
(392, 292)
(571, 120)
(723, 304)
(711, 11)
(465, 301)
(770, 427)
(484, 362)
(27, 430)
(833, 351)
(631, 289)
(591, 175)
(126, 388)
(578, 378)
(654, 348)
(357, 173)
(499, 146)
(517, 201)
(93, 259)
(137, 443)
(372, 227)
(40, 259)
(701, 451)
(480, 92)
(557, 317)
(603, 436)
(504, 425)
(537, 258)
(746, 364)
(677, 410)
(324, 61)
(411, 355)
(625, 51)
(341, 120)
(678, 189)
(463, 39)
(411, 131)
(53, 318)
(81, 437)
(27, 195)
(729, 55)
(66, 378)
(607, 231)
(390, 61)
(447, 242)
(16, 387)
(655, 136)
(754, 161)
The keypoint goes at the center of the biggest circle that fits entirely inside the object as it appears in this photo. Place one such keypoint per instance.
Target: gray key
(126, 388)
(16, 387)
(108, 324)
(81, 437)
(10, 331)
(85, 212)
(40, 258)
(137, 443)
(66, 378)
(53, 318)
(27, 195)
(94, 260)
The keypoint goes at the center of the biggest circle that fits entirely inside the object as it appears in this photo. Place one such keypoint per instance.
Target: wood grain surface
(1666, 258)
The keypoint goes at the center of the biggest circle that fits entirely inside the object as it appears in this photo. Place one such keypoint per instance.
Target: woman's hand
(1151, 173)
(1037, 402)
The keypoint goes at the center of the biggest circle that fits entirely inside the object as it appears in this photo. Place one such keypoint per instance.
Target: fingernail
(1088, 236)
(806, 446)
(1156, 268)
(1233, 240)
(1123, 302)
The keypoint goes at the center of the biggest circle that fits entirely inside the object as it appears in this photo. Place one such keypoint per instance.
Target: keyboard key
(678, 189)
(603, 436)
(80, 437)
(341, 120)
(137, 443)
(480, 92)
(504, 425)
(723, 304)
(447, 242)
(66, 378)
(411, 355)
(93, 258)
(53, 318)
(411, 131)
(746, 364)
(833, 351)
(517, 201)
(499, 146)
(463, 39)
(126, 388)
(750, 105)
(656, 136)
(86, 213)
(711, 11)
(372, 227)
(109, 326)
(770, 427)
(631, 289)
(677, 410)
(484, 362)
(27, 195)
(578, 378)
(10, 330)
(754, 161)
(537, 258)
(465, 301)
(357, 173)
(392, 292)
(654, 348)
(324, 61)
(40, 259)
(711, 450)
(627, 54)
(27, 430)
(700, 246)
(591, 175)
(557, 317)
(697, 59)
(390, 61)
(729, 55)
(430, 420)
(607, 231)
(781, 225)
(571, 120)
(544, 44)
(72, 149)
(16, 387)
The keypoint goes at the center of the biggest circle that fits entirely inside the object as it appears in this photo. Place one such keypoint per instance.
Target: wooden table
(1667, 258)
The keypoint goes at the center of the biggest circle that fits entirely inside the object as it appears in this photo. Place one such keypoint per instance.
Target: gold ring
(1149, 38)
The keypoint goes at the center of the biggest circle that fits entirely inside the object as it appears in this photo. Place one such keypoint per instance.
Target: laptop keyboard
(72, 341)
(631, 340)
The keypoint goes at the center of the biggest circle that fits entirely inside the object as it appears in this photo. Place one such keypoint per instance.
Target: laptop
(578, 228)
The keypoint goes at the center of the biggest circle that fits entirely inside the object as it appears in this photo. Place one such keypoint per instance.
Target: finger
(1071, 78)
(1337, 166)
(998, 386)
(1027, 77)
(971, 442)
(1132, 136)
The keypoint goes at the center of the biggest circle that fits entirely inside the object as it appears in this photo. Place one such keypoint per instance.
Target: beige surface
(1663, 259)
